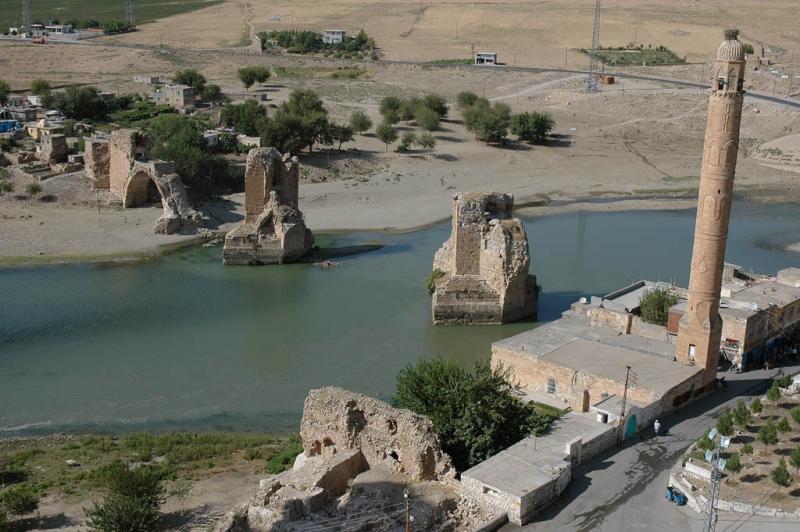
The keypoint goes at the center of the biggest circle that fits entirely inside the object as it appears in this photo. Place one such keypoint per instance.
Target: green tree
(81, 103)
(733, 464)
(704, 443)
(360, 122)
(20, 500)
(435, 103)
(5, 89)
(795, 412)
(768, 434)
(774, 393)
(533, 127)
(341, 133)
(489, 122)
(747, 449)
(192, 78)
(408, 108)
(741, 415)
(780, 475)
(783, 425)
(386, 133)
(250, 75)
(476, 410)
(305, 107)
(725, 423)
(407, 141)
(212, 93)
(466, 99)
(427, 119)
(390, 109)
(41, 87)
(756, 406)
(132, 503)
(247, 117)
(427, 142)
(794, 459)
(655, 305)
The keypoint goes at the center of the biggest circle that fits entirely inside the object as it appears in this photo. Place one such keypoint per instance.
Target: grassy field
(645, 56)
(41, 463)
(103, 10)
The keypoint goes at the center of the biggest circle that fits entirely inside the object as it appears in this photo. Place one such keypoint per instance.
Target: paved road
(624, 490)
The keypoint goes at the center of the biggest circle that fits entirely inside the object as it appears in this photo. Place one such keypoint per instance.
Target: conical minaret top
(701, 327)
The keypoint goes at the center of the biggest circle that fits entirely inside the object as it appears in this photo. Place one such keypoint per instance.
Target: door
(630, 426)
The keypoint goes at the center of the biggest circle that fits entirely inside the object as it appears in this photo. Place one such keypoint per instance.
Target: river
(183, 343)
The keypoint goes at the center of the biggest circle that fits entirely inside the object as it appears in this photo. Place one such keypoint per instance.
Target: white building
(333, 36)
(486, 58)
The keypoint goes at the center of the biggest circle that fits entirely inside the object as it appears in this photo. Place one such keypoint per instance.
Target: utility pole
(622, 410)
(408, 514)
(717, 467)
(129, 13)
(26, 16)
(591, 83)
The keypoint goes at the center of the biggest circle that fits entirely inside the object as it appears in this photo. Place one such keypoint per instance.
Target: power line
(591, 83)
(129, 13)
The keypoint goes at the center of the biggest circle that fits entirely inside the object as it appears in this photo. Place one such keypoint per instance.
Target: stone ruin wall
(97, 162)
(54, 149)
(273, 231)
(336, 420)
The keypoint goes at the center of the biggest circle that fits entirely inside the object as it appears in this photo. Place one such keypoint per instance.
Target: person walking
(657, 427)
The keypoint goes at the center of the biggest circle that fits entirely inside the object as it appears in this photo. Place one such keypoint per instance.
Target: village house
(179, 97)
(333, 36)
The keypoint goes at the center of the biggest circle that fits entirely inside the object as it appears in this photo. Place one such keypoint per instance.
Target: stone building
(179, 97)
(273, 231)
(700, 329)
(483, 266)
(122, 165)
(53, 149)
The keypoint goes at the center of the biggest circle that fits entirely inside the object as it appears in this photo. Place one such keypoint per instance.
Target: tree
(341, 133)
(299, 122)
(768, 434)
(408, 140)
(733, 464)
(40, 87)
(704, 443)
(655, 304)
(741, 415)
(81, 103)
(476, 410)
(756, 406)
(466, 99)
(774, 393)
(250, 75)
(795, 412)
(725, 423)
(427, 119)
(192, 78)
(747, 449)
(212, 93)
(20, 500)
(780, 475)
(488, 122)
(386, 133)
(783, 425)
(390, 109)
(532, 126)
(360, 122)
(794, 459)
(5, 89)
(427, 142)
(247, 117)
(133, 500)
(435, 103)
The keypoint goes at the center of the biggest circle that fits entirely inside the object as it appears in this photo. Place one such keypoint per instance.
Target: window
(692, 350)
(551, 386)
(720, 83)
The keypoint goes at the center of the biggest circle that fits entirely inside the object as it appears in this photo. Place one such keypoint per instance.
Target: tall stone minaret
(701, 327)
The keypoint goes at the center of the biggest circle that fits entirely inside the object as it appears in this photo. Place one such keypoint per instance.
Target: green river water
(184, 343)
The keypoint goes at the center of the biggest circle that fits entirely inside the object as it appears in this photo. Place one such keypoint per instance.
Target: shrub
(785, 381)
(705, 443)
(477, 411)
(407, 142)
(768, 434)
(774, 394)
(430, 280)
(435, 103)
(427, 119)
(33, 189)
(795, 412)
(741, 415)
(284, 460)
(5, 186)
(747, 449)
(655, 305)
(390, 109)
(794, 459)
(733, 464)
(466, 99)
(360, 122)
(133, 500)
(756, 406)
(532, 126)
(20, 499)
(725, 423)
(783, 425)
(780, 475)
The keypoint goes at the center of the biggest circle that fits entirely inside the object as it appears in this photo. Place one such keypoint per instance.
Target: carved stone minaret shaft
(701, 327)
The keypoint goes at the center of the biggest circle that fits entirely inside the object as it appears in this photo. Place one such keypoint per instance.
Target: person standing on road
(657, 427)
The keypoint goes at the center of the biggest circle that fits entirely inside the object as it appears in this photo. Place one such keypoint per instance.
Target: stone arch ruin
(122, 165)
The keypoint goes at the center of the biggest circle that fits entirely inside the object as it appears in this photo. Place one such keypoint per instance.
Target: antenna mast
(591, 83)
(26, 16)
(129, 13)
